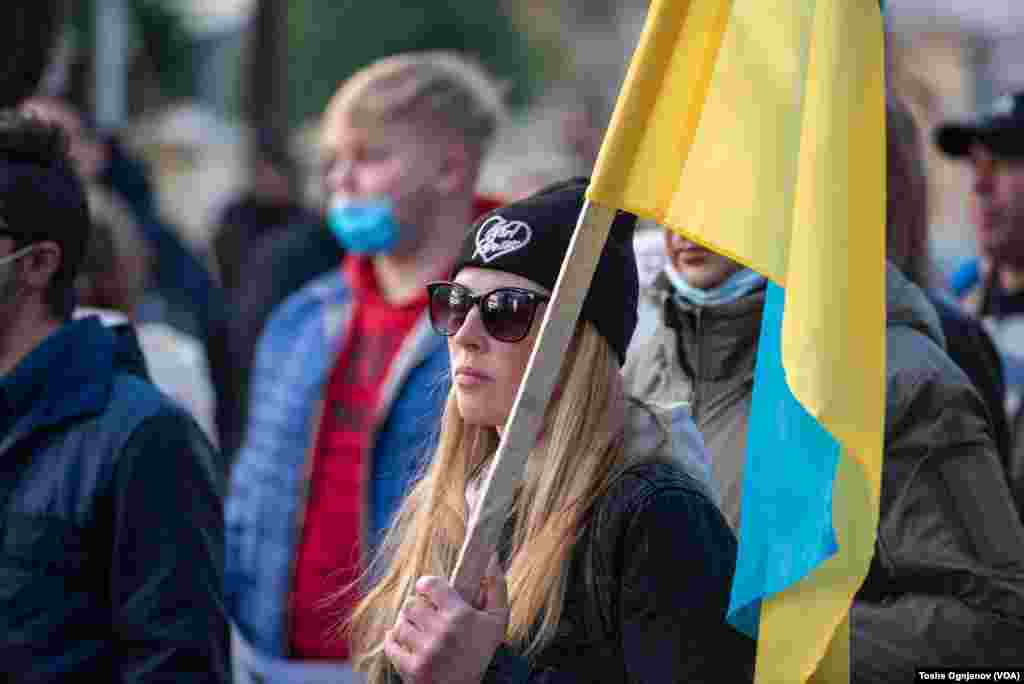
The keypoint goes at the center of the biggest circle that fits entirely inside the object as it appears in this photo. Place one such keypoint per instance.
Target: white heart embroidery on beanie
(498, 237)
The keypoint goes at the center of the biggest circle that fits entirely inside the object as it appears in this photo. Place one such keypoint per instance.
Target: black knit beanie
(530, 238)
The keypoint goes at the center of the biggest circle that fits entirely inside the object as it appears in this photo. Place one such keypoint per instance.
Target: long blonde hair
(582, 452)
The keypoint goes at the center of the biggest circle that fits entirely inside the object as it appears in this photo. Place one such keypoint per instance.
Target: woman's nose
(471, 333)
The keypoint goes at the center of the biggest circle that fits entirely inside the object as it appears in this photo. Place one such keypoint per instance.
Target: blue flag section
(786, 515)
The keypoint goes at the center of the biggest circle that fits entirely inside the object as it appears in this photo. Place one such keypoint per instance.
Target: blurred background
(195, 125)
(193, 87)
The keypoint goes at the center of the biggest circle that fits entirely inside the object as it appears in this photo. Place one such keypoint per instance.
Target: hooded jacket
(111, 528)
(703, 359)
(946, 586)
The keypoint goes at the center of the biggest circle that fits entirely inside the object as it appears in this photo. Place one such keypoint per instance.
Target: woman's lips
(470, 377)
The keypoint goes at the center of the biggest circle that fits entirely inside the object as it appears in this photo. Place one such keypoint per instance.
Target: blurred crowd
(233, 460)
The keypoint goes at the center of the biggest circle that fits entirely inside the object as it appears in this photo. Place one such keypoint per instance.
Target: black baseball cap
(1000, 128)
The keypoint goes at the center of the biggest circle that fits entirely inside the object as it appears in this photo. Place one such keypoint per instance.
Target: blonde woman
(615, 564)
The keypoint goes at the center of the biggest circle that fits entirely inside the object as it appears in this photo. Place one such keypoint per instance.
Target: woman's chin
(475, 411)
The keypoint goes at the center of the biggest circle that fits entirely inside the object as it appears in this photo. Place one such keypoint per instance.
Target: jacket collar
(663, 291)
(66, 377)
(716, 342)
(907, 305)
(333, 296)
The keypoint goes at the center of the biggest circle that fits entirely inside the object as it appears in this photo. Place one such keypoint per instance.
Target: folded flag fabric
(757, 128)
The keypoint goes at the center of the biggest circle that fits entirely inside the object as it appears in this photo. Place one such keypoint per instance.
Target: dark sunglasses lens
(448, 308)
(507, 314)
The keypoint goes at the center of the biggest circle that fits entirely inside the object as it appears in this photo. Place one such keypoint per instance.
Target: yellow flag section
(757, 128)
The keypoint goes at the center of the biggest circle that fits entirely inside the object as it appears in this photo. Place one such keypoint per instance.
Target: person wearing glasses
(110, 499)
(345, 386)
(615, 564)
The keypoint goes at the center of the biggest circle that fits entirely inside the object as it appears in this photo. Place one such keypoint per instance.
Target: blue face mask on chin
(364, 226)
(738, 285)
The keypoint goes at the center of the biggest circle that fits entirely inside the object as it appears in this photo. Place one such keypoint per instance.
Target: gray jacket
(946, 587)
(702, 358)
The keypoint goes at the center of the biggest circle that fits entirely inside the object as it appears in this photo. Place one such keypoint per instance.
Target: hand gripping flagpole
(525, 421)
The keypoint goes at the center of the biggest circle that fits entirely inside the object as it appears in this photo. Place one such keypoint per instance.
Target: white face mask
(6, 272)
(14, 256)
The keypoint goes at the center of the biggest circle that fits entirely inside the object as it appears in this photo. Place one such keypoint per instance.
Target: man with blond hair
(346, 379)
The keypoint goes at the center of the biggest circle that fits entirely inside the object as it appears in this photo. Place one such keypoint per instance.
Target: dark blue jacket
(111, 535)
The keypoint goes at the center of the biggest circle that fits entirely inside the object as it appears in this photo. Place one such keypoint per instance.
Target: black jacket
(971, 348)
(276, 265)
(111, 527)
(648, 592)
(946, 585)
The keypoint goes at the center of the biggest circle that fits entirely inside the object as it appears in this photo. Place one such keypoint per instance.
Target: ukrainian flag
(757, 127)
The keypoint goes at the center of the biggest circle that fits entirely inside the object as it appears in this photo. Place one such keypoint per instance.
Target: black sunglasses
(506, 312)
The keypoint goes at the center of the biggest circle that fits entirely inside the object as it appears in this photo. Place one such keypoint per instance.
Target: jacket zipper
(698, 364)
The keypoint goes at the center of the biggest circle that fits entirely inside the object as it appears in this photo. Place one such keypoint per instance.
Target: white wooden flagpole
(531, 402)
